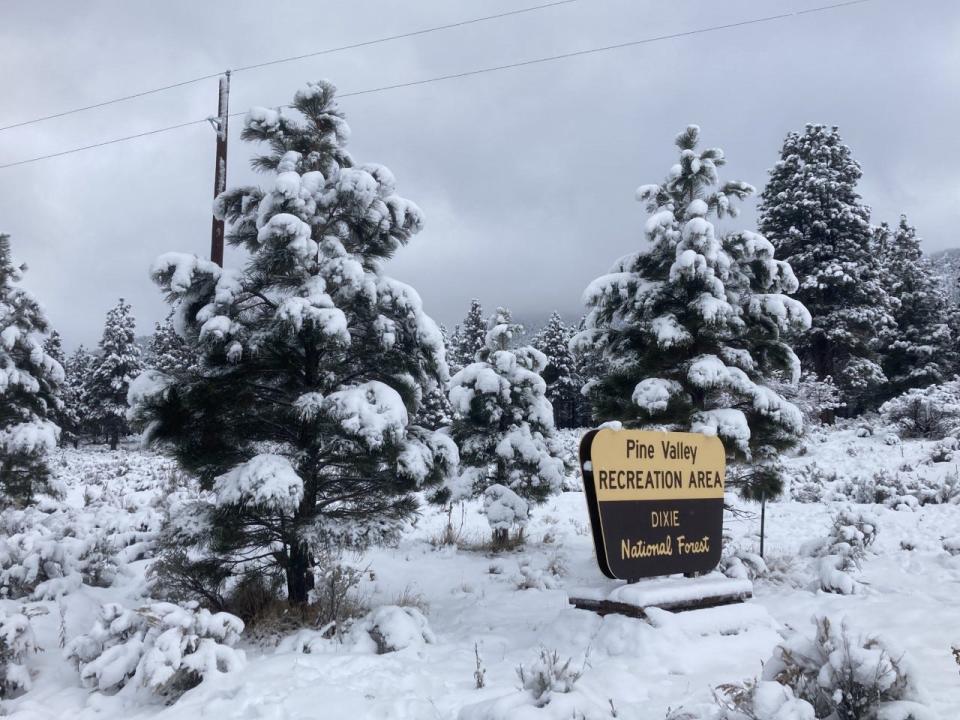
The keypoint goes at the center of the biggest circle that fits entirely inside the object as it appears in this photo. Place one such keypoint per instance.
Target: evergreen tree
(311, 361)
(503, 425)
(53, 346)
(434, 412)
(76, 396)
(691, 329)
(168, 352)
(117, 365)
(62, 417)
(560, 374)
(919, 350)
(811, 212)
(29, 388)
(469, 337)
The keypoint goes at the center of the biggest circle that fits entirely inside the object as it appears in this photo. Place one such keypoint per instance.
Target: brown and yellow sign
(655, 501)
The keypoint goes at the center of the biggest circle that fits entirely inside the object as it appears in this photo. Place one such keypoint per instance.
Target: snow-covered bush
(52, 547)
(845, 675)
(16, 645)
(163, 647)
(809, 483)
(839, 554)
(930, 412)
(815, 398)
(952, 545)
(943, 450)
(547, 675)
(395, 628)
(904, 490)
(743, 565)
(760, 700)
(505, 510)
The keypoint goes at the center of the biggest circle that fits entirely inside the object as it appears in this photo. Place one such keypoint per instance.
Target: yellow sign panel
(649, 465)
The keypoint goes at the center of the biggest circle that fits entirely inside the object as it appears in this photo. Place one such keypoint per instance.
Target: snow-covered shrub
(531, 578)
(505, 510)
(163, 647)
(839, 554)
(943, 450)
(548, 674)
(52, 548)
(845, 675)
(760, 700)
(809, 483)
(816, 399)
(952, 545)
(16, 645)
(394, 628)
(743, 565)
(929, 412)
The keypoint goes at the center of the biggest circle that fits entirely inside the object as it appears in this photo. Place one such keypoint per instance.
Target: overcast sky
(525, 176)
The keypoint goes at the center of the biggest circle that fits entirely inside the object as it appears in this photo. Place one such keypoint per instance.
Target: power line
(268, 63)
(469, 73)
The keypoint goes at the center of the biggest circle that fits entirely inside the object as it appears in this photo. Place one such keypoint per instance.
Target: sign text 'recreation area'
(655, 501)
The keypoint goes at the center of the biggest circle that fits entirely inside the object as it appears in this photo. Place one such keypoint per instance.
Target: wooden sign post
(655, 501)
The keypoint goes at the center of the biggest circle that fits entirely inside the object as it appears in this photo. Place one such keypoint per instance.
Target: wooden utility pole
(220, 169)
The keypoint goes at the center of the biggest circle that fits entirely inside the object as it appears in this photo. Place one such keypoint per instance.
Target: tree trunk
(501, 538)
(114, 438)
(299, 578)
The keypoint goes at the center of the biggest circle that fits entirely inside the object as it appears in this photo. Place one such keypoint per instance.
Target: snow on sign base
(655, 501)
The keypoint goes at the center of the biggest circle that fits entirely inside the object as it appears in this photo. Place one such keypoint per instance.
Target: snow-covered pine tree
(61, 416)
(29, 387)
(811, 212)
(311, 360)
(503, 425)
(53, 346)
(168, 352)
(560, 374)
(76, 397)
(469, 337)
(434, 412)
(691, 328)
(919, 350)
(117, 365)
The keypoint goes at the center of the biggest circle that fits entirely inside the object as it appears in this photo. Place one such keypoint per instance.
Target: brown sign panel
(655, 501)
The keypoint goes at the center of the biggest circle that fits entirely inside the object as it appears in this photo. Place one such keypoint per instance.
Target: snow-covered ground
(506, 608)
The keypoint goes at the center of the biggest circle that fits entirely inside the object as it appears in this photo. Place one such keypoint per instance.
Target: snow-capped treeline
(312, 405)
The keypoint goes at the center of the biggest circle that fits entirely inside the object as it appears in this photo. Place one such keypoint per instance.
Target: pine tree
(168, 352)
(29, 387)
(76, 396)
(434, 412)
(560, 374)
(811, 212)
(503, 425)
(61, 416)
(691, 329)
(53, 346)
(310, 360)
(919, 349)
(117, 365)
(469, 337)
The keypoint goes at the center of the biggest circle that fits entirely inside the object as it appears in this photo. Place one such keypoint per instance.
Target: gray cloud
(526, 176)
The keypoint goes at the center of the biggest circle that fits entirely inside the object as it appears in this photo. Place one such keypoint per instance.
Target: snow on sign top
(655, 501)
